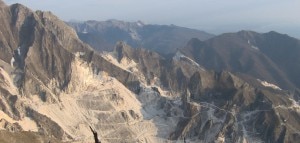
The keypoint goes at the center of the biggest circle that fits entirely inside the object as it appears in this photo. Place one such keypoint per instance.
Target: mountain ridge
(54, 87)
(251, 53)
(102, 35)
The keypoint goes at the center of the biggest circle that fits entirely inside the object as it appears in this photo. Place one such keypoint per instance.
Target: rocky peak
(122, 50)
(19, 14)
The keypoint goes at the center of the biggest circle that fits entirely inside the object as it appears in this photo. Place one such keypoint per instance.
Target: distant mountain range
(164, 39)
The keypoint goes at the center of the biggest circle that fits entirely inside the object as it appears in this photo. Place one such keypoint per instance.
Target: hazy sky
(215, 16)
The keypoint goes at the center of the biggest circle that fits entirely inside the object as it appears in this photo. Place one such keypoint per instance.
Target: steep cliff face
(39, 63)
(53, 87)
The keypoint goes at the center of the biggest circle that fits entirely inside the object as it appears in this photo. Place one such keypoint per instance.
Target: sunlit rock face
(53, 87)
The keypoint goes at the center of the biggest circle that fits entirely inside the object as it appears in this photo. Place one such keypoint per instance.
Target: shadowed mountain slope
(270, 56)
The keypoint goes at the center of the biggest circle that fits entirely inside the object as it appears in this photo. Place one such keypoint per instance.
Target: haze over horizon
(212, 16)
